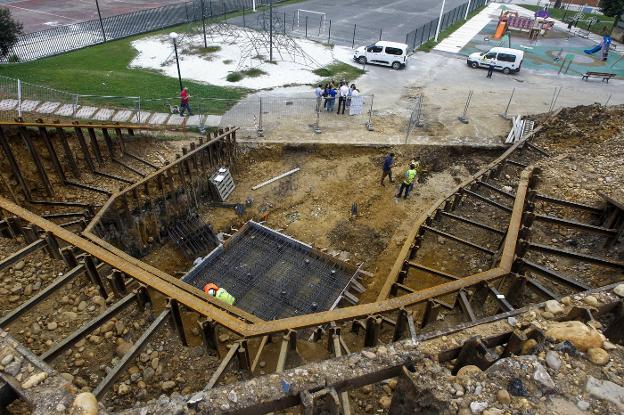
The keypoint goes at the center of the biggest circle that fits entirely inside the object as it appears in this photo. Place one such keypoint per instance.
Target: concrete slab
(48, 107)
(8, 104)
(122, 116)
(29, 105)
(159, 118)
(460, 38)
(176, 120)
(86, 112)
(104, 114)
(140, 117)
(195, 121)
(66, 110)
(212, 121)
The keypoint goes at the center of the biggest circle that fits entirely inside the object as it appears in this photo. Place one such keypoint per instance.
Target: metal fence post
(260, 130)
(607, 101)
(440, 20)
(204, 21)
(97, 4)
(74, 105)
(464, 117)
(369, 124)
(306, 30)
(504, 114)
(19, 98)
(244, 24)
(467, 10)
(555, 97)
(329, 32)
(353, 42)
(380, 32)
(139, 113)
(284, 24)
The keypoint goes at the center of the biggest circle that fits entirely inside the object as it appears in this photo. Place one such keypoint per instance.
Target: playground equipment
(513, 21)
(605, 45)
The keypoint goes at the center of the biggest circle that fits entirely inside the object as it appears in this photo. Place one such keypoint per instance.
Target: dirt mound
(358, 237)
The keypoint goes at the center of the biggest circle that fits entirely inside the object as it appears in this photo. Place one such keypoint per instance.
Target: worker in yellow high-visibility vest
(219, 293)
(410, 176)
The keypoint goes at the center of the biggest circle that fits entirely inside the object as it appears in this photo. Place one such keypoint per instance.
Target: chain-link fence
(79, 35)
(426, 32)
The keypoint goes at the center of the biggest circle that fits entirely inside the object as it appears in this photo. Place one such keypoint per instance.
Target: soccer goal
(310, 20)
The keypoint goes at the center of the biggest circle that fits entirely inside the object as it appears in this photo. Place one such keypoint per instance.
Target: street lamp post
(174, 36)
(440, 21)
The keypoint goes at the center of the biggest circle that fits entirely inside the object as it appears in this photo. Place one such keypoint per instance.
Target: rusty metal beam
(472, 222)
(458, 239)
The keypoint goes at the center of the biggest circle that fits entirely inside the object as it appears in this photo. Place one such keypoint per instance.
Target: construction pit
(494, 288)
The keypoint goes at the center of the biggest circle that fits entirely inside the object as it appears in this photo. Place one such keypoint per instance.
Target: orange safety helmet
(211, 287)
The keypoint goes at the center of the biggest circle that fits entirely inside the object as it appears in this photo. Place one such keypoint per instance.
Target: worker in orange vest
(221, 294)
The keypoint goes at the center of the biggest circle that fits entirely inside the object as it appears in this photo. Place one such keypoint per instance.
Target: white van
(507, 60)
(383, 53)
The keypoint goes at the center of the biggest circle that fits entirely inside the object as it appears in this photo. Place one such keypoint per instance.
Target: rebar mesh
(271, 275)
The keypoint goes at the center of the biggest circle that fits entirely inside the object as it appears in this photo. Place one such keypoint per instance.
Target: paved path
(460, 38)
(109, 114)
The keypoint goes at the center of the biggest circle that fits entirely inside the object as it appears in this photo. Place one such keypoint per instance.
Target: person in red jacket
(184, 102)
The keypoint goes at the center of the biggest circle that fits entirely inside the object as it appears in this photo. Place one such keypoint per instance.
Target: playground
(550, 48)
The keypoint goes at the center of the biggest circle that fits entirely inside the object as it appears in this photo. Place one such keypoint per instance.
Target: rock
(13, 368)
(6, 359)
(34, 380)
(36, 328)
(528, 347)
(478, 407)
(392, 383)
(598, 356)
(168, 385)
(119, 327)
(53, 325)
(608, 346)
(516, 388)
(577, 333)
(98, 300)
(154, 363)
(468, 370)
(82, 306)
(553, 360)
(60, 408)
(262, 363)
(224, 337)
(84, 404)
(67, 376)
(80, 382)
(368, 354)
(493, 411)
(590, 300)
(385, 402)
(28, 290)
(123, 389)
(541, 376)
(148, 373)
(566, 347)
(606, 390)
(619, 290)
(566, 300)
(69, 316)
(95, 339)
(122, 348)
(582, 405)
(19, 266)
(503, 397)
(553, 306)
(367, 389)
(232, 397)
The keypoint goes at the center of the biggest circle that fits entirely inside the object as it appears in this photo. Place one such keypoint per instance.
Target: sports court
(396, 18)
(39, 15)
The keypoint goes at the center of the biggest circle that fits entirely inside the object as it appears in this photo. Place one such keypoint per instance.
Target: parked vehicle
(383, 53)
(507, 60)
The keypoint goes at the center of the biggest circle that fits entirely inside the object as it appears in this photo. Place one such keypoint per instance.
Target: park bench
(604, 75)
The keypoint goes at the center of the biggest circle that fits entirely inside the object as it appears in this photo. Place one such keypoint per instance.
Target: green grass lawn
(338, 71)
(604, 22)
(103, 70)
(430, 44)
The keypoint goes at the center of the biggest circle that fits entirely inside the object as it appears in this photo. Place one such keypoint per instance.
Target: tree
(10, 30)
(612, 8)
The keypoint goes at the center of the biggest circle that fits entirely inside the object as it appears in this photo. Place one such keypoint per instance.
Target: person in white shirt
(342, 100)
(318, 93)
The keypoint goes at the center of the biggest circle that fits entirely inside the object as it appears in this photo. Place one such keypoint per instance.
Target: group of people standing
(326, 96)
(407, 185)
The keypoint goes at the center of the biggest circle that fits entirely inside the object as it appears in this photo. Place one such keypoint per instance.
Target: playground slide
(593, 50)
(500, 30)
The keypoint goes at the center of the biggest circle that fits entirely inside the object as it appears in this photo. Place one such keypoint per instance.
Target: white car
(383, 53)
(507, 60)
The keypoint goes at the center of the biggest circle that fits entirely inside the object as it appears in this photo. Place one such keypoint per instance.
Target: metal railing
(426, 32)
(62, 39)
